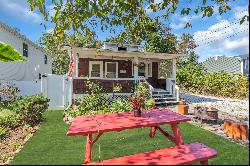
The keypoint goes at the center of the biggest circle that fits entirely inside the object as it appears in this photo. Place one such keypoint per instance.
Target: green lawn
(50, 145)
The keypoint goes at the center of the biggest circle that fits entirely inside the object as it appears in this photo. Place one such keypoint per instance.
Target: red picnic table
(101, 123)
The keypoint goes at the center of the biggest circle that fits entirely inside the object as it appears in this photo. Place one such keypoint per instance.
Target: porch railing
(172, 87)
(136, 80)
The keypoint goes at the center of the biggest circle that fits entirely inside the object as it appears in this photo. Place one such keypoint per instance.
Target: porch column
(76, 64)
(136, 61)
(174, 69)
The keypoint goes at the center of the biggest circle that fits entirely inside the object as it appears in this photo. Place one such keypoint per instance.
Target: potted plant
(136, 104)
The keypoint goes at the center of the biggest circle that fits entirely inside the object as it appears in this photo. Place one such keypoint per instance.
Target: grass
(50, 145)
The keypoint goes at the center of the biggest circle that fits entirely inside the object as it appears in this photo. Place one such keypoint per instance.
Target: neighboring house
(229, 64)
(125, 65)
(38, 64)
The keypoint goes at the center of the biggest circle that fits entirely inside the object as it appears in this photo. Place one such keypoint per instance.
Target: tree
(85, 15)
(60, 58)
(8, 54)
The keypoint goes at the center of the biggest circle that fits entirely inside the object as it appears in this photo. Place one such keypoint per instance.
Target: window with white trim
(111, 69)
(149, 69)
(142, 69)
(96, 69)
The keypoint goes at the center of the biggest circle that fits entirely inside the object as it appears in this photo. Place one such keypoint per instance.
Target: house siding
(79, 85)
(83, 67)
(223, 63)
(23, 71)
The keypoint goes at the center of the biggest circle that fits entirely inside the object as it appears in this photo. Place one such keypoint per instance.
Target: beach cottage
(124, 65)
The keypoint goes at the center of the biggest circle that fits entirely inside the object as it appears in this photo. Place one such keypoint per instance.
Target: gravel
(234, 107)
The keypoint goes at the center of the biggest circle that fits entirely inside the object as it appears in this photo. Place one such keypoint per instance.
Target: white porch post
(136, 61)
(174, 69)
(174, 90)
(76, 55)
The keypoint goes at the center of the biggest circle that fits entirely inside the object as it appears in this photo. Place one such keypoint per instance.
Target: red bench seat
(177, 155)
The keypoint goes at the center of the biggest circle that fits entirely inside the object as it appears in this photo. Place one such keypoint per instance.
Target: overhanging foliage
(8, 54)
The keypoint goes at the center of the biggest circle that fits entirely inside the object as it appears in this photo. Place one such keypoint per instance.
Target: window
(111, 69)
(142, 69)
(96, 69)
(45, 59)
(246, 64)
(122, 48)
(25, 49)
(149, 65)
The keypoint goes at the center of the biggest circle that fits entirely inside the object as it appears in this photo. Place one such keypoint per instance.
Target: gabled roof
(16, 33)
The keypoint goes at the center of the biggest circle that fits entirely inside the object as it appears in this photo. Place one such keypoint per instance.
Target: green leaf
(8, 54)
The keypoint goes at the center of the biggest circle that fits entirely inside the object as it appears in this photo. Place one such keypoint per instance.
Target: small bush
(120, 106)
(8, 93)
(91, 104)
(7, 119)
(149, 103)
(3, 131)
(31, 108)
(193, 78)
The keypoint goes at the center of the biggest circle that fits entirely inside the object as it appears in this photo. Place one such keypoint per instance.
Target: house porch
(109, 68)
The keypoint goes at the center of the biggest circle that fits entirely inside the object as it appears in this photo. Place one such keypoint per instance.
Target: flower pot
(183, 108)
(137, 112)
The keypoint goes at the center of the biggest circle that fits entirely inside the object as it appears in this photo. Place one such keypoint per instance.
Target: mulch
(14, 141)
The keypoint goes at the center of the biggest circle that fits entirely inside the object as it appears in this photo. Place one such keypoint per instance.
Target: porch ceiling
(89, 53)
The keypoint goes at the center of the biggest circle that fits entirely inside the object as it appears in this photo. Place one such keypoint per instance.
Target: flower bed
(19, 119)
(95, 102)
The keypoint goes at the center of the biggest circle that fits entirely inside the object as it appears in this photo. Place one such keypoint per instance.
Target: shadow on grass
(50, 145)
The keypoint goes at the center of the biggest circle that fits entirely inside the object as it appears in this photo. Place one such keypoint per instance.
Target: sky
(216, 35)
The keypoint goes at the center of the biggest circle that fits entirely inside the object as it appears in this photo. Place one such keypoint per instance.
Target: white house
(229, 64)
(38, 65)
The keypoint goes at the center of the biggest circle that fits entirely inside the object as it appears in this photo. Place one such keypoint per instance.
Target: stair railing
(172, 87)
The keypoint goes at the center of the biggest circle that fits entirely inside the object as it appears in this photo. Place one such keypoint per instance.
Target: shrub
(149, 103)
(94, 103)
(8, 92)
(142, 90)
(31, 108)
(117, 88)
(3, 131)
(120, 106)
(7, 119)
(193, 78)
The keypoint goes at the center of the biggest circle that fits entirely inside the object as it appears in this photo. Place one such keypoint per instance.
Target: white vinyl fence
(58, 88)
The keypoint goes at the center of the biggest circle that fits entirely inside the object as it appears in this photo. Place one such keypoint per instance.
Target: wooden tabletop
(84, 125)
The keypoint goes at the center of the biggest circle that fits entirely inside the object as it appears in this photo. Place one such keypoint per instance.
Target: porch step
(162, 96)
(159, 91)
(167, 102)
(167, 98)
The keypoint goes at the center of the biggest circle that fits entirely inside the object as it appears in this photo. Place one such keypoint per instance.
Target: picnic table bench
(101, 123)
(178, 155)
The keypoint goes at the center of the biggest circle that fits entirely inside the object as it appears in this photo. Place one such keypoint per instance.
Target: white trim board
(101, 68)
(116, 68)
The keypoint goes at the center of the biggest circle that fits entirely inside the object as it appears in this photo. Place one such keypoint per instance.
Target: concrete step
(167, 98)
(160, 92)
(166, 102)
(162, 96)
